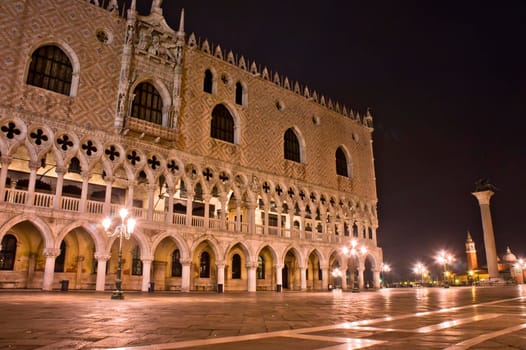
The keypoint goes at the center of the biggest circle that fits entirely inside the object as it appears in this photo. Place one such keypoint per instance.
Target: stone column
(279, 277)
(361, 268)
(324, 277)
(220, 277)
(49, 269)
(303, 278)
(238, 215)
(376, 279)
(189, 205)
(102, 261)
(129, 197)
(251, 283)
(58, 189)
(483, 198)
(33, 166)
(224, 212)
(251, 211)
(206, 199)
(185, 276)
(344, 277)
(279, 230)
(78, 276)
(84, 193)
(170, 212)
(151, 201)
(31, 263)
(146, 273)
(265, 218)
(107, 195)
(5, 161)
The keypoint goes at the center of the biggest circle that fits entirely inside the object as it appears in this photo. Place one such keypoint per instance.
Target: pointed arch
(343, 163)
(54, 66)
(224, 124)
(293, 145)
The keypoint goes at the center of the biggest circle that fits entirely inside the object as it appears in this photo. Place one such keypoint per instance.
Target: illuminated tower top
(471, 253)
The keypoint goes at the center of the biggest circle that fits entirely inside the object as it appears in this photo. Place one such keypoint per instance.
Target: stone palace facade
(239, 178)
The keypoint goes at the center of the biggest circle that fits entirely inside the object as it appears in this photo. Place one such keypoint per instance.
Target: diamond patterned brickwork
(262, 127)
(72, 25)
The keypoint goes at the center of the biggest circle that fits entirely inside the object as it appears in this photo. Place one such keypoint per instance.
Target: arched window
(236, 266)
(50, 69)
(8, 252)
(204, 265)
(222, 127)
(370, 231)
(341, 163)
(177, 268)
(355, 230)
(147, 104)
(260, 272)
(208, 81)
(136, 262)
(61, 259)
(239, 93)
(291, 146)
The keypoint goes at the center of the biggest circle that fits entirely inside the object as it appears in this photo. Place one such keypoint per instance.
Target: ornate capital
(483, 196)
(102, 257)
(51, 252)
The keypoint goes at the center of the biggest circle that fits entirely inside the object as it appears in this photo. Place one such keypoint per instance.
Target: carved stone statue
(484, 185)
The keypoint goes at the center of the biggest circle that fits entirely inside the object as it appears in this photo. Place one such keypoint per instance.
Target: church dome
(509, 257)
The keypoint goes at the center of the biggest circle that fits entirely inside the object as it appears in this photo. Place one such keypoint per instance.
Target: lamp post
(420, 269)
(123, 229)
(385, 269)
(353, 251)
(445, 258)
(337, 274)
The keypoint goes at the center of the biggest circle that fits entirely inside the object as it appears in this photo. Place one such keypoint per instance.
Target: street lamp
(337, 274)
(124, 229)
(420, 269)
(385, 269)
(353, 251)
(445, 258)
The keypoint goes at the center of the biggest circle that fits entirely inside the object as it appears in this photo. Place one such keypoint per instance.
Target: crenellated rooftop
(250, 66)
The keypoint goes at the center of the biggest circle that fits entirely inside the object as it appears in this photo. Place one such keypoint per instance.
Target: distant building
(506, 266)
(240, 178)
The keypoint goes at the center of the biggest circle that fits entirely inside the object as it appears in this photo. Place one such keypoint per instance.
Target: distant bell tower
(471, 253)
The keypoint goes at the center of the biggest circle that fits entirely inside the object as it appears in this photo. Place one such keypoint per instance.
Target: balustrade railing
(15, 196)
(95, 207)
(69, 203)
(45, 200)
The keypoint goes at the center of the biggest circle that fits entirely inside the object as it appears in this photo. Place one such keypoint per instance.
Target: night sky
(446, 82)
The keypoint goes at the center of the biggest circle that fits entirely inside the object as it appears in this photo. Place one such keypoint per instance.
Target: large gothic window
(177, 268)
(204, 265)
(8, 252)
(136, 262)
(50, 69)
(236, 266)
(222, 127)
(291, 146)
(60, 261)
(147, 104)
(341, 163)
(208, 81)
(260, 272)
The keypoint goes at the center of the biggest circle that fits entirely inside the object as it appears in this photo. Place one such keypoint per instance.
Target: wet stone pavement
(420, 318)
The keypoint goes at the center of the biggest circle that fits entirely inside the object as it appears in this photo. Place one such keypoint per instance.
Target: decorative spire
(469, 239)
(133, 5)
(156, 7)
(181, 22)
